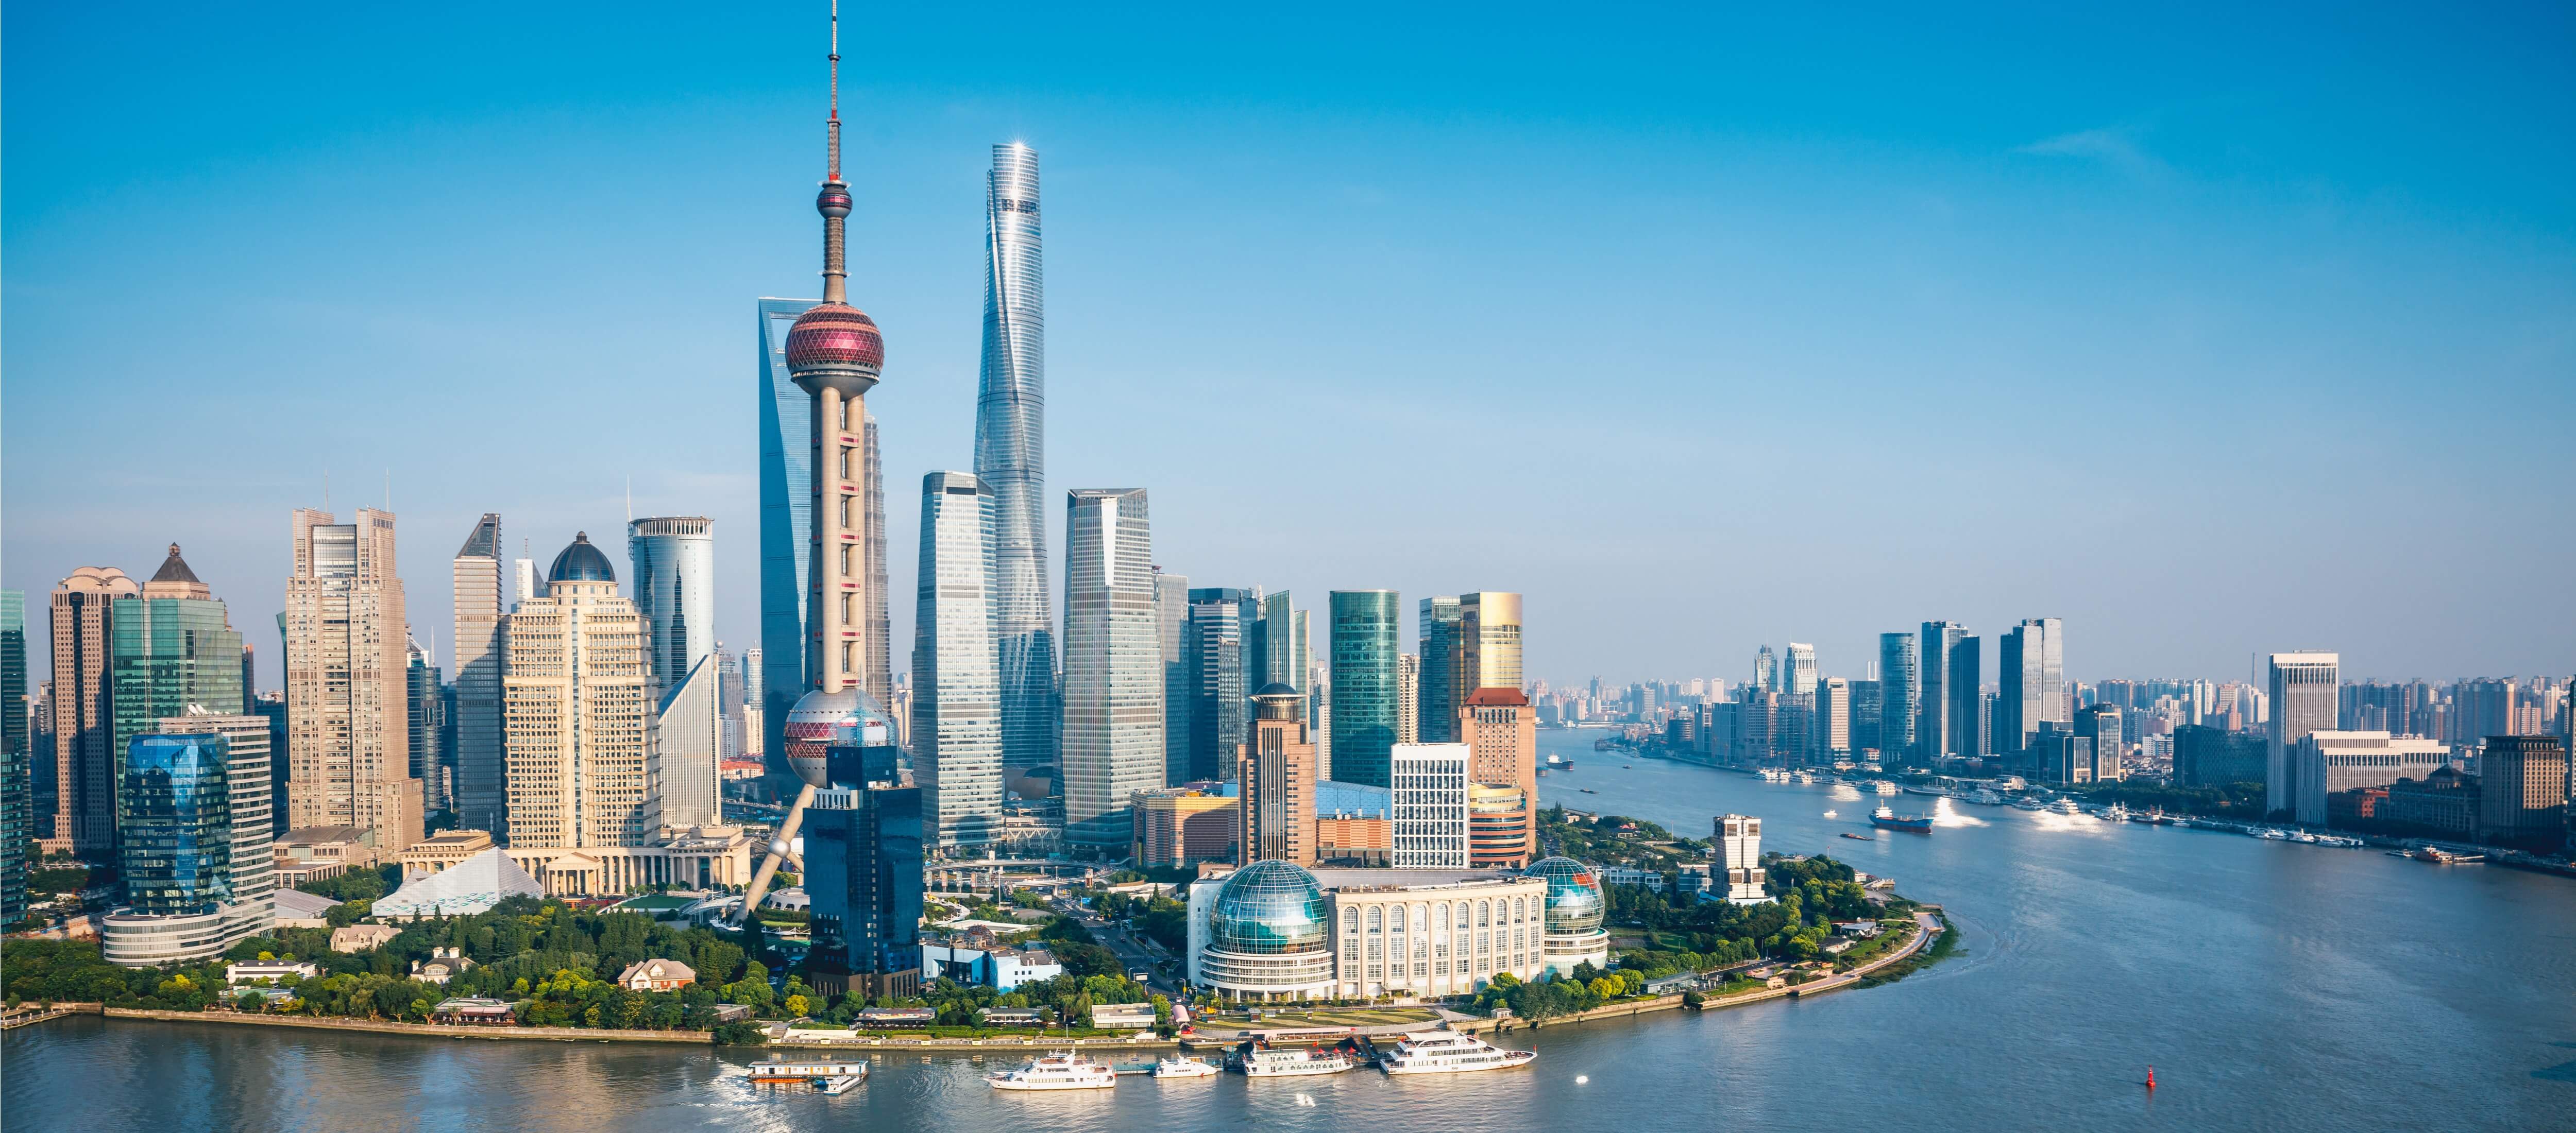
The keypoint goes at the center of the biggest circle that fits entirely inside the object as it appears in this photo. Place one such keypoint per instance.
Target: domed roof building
(581, 562)
(1575, 907)
(1269, 936)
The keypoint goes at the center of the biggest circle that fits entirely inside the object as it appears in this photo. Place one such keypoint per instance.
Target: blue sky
(2209, 330)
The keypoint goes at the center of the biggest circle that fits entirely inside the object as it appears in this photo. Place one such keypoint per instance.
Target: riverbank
(427, 1030)
(1927, 930)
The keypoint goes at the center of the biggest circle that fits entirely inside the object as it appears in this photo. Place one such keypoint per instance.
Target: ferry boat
(2066, 807)
(2116, 812)
(1882, 786)
(2028, 803)
(1448, 1052)
(1774, 775)
(2268, 834)
(1984, 797)
(1803, 777)
(1890, 820)
(1179, 1067)
(1059, 1071)
(1262, 1060)
(828, 1075)
(2440, 856)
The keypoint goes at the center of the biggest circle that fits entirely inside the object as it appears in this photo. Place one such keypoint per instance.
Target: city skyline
(2196, 583)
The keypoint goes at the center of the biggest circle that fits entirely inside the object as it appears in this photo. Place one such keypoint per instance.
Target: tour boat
(1261, 1060)
(2028, 803)
(1059, 1071)
(1984, 797)
(1882, 786)
(828, 1075)
(2440, 856)
(1178, 1067)
(2302, 836)
(2066, 807)
(1449, 1052)
(1889, 819)
(2268, 834)
(2116, 812)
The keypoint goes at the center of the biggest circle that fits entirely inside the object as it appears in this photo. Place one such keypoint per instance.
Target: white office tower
(2305, 690)
(1429, 809)
(688, 748)
(1739, 859)
(1798, 669)
(956, 707)
(675, 566)
(1113, 671)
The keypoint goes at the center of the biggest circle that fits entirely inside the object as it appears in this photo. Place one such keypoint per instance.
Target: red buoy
(2151, 1077)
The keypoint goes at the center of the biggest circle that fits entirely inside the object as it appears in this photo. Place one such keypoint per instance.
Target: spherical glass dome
(821, 720)
(1574, 900)
(1269, 908)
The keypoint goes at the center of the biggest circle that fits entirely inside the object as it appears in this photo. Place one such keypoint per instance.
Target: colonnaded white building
(1275, 932)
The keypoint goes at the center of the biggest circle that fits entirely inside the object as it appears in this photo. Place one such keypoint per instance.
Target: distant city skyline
(2237, 253)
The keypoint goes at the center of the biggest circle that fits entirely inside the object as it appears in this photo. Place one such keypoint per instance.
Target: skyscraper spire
(834, 172)
(834, 201)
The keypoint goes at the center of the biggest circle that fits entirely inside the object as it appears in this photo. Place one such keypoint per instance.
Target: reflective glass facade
(863, 860)
(167, 654)
(17, 767)
(1897, 694)
(1010, 454)
(1269, 908)
(1223, 672)
(1113, 674)
(1364, 683)
(674, 560)
(175, 818)
(956, 711)
(786, 523)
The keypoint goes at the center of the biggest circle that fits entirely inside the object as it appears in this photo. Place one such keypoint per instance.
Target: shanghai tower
(1010, 454)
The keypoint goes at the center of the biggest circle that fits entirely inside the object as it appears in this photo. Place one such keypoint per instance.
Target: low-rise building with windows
(1275, 932)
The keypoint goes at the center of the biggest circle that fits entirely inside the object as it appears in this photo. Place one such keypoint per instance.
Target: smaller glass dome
(581, 562)
(1574, 900)
(1269, 908)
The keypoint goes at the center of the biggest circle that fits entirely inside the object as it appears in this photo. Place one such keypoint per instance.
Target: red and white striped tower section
(835, 355)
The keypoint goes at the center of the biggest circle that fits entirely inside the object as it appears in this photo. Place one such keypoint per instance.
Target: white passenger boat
(1883, 786)
(1178, 1067)
(1984, 797)
(1261, 1060)
(1449, 1052)
(2116, 812)
(829, 1075)
(2066, 807)
(1058, 1071)
(2268, 834)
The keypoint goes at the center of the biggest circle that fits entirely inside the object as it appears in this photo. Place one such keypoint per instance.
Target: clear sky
(2207, 329)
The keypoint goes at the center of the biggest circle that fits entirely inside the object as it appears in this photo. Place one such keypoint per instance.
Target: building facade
(2522, 797)
(1429, 782)
(2031, 670)
(1010, 454)
(17, 763)
(786, 523)
(579, 706)
(1898, 696)
(1220, 653)
(171, 651)
(81, 707)
(1933, 737)
(1113, 686)
(956, 693)
(1275, 932)
(674, 559)
(1183, 826)
(1442, 687)
(1363, 682)
(348, 725)
(1501, 731)
(1276, 771)
(1738, 876)
(2215, 757)
(475, 651)
(2303, 699)
(249, 801)
(2326, 762)
(1489, 632)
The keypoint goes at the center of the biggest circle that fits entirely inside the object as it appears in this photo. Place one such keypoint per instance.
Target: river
(2273, 986)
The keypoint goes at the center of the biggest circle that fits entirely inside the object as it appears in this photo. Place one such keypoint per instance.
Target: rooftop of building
(1497, 698)
(1381, 880)
(581, 562)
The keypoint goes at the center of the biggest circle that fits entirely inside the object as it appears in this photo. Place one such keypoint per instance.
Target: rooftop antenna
(630, 498)
(835, 173)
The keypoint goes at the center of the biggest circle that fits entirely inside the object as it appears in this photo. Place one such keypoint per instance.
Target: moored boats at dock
(827, 1075)
(1259, 1059)
(1061, 1070)
(1449, 1052)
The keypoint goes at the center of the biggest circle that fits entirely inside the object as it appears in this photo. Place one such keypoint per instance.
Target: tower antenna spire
(835, 171)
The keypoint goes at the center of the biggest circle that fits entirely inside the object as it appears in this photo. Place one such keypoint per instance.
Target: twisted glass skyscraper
(1010, 454)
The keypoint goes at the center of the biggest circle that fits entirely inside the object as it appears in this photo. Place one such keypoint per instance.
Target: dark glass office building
(864, 849)
(175, 824)
(1365, 626)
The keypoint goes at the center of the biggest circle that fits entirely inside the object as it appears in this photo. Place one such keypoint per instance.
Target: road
(1134, 953)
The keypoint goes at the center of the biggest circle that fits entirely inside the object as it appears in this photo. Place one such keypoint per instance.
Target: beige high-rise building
(577, 704)
(84, 818)
(1502, 744)
(1277, 774)
(348, 719)
(1490, 631)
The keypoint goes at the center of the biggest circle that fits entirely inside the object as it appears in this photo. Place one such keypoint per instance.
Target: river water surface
(2273, 986)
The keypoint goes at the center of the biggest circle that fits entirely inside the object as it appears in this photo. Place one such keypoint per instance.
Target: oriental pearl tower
(835, 355)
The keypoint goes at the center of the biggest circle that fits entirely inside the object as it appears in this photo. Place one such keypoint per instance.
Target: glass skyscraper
(1934, 732)
(173, 650)
(2031, 671)
(1010, 454)
(175, 818)
(1898, 707)
(1218, 645)
(17, 778)
(1113, 673)
(1440, 691)
(674, 558)
(1365, 646)
(786, 524)
(956, 712)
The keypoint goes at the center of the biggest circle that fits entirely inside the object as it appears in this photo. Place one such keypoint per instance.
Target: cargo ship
(1890, 820)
